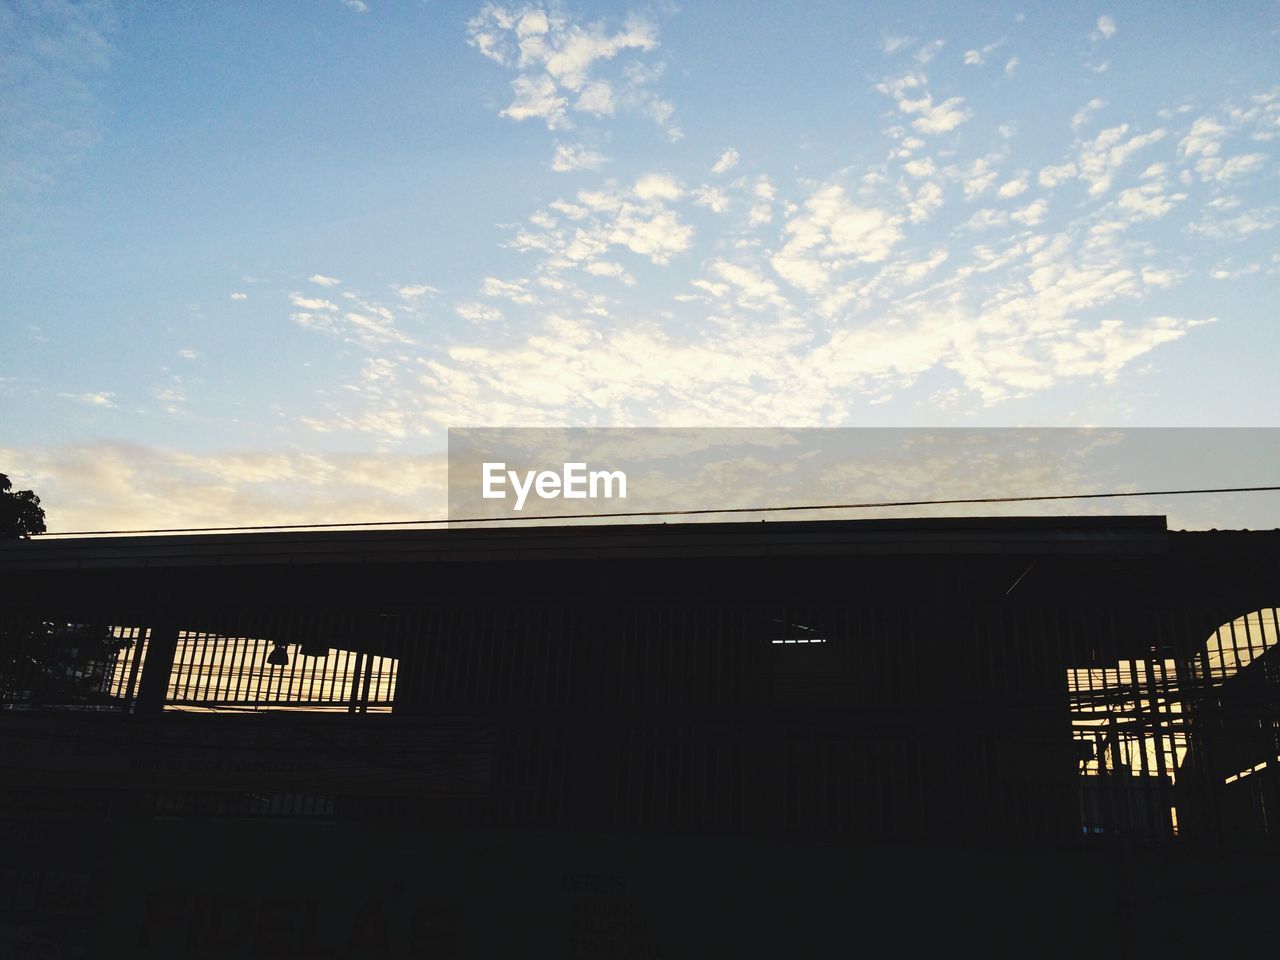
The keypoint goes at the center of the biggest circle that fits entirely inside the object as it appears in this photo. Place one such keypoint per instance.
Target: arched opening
(1184, 748)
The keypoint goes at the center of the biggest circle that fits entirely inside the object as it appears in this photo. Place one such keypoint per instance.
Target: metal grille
(217, 672)
(92, 665)
(1154, 733)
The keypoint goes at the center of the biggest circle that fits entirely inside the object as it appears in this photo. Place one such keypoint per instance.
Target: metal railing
(98, 666)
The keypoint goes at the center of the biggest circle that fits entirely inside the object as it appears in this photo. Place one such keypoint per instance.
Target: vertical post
(161, 650)
(357, 675)
(162, 646)
(135, 661)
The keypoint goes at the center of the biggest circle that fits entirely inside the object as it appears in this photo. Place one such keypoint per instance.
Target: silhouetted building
(965, 727)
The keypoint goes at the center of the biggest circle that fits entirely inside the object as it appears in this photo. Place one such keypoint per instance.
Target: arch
(1164, 745)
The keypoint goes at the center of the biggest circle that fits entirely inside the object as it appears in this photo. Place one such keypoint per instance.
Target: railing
(213, 672)
(98, 666)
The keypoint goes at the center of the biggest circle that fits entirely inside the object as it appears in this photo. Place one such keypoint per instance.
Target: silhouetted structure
(1076, 717)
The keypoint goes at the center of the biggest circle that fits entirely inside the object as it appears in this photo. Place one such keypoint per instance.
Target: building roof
(1089, 535)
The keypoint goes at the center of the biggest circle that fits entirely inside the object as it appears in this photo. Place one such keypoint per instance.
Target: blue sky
(259, 257)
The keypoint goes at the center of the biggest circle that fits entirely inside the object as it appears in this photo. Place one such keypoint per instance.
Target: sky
(256, 259)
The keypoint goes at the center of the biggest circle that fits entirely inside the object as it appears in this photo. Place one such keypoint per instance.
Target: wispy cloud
(99, 398)
(911, 93)
(892, 44)
(413, 291)
(360, 321)
(727, 161)
(124, 485)
(559, 64)
(831, 284)
(574, 156)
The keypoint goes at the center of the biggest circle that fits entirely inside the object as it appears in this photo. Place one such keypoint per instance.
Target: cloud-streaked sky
(258, 257)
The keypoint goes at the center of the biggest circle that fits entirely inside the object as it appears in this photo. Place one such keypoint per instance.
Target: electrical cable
(665, 513)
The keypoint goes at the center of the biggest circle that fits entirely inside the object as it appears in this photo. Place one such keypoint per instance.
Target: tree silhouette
(20, 512)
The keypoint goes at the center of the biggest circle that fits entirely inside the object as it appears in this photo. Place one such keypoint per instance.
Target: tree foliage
(20, 513)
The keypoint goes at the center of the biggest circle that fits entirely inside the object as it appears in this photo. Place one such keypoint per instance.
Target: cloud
(928, 51)
(927, 200)
(537, 97)
(374, 327)
(922, 167)
(912, 96)
(321, 280)
(364, 322)
(1218, 170)
(1236, 274)
(311, 303)
(171, 396)
(607, 268)
(557, 64)
(830, 232)
(943, 117)
(1100, 158)
(100, 398)
(239, 296)
(117, 485)
(832, 310)
(728, 160)
(1051, 176)
(569, 157)
(1105, 29)
(811, 298)
(976, 58)
(892, 44)
(749, 285)
(1148, 201)
(515, 292)
(1107, 348)
(1203, 146)
(1012, 188)
(978, 178)
(1011, 66)
(414, 290)
(713, 198)
(658, 186)
(1032, 214)
(478, 312)
(596, 97)
(986, 218)
(358, 6)
(572, 235)
(1257, 220)
(1085, 113)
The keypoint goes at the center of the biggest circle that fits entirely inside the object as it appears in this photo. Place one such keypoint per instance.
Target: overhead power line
(667, 513)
